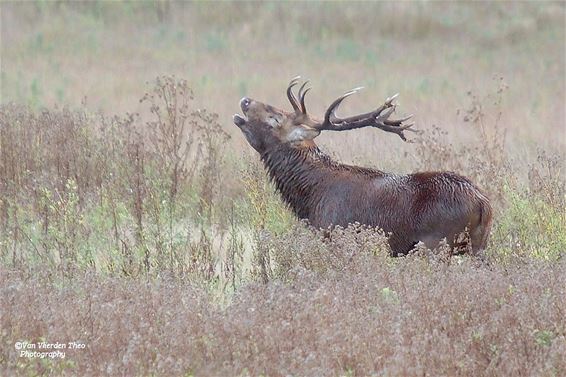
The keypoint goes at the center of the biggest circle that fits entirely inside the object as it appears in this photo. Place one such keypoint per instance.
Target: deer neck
(296, 172)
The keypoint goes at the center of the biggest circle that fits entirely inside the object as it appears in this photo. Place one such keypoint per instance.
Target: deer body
(424, 207)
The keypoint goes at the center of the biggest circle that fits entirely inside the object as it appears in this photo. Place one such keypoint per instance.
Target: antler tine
(397, 129)
(330, 115)
(389, 101)
(395, 126)
(303, 107)
(397, 122)
(291, 96)
(302, 87)
(302, 95)
(385, 116)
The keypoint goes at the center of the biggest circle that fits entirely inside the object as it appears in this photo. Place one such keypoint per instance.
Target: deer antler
(291, 96)
(298, 104)
(301, 116)
(379, 118)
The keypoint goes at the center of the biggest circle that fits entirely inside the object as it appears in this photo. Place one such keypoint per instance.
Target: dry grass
(374, 316)
(150, 239)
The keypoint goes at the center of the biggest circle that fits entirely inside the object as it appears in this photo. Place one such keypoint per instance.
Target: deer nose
(245, 103)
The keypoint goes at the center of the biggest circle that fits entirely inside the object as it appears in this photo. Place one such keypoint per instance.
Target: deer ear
(302, 132)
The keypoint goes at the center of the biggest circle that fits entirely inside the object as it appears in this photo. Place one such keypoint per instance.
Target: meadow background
(134, 217)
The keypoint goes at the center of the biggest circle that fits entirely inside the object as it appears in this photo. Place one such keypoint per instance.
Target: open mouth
(239, 120)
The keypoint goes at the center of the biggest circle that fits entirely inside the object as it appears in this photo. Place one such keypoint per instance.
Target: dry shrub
(186, 141)
(484, 160)
(120, 194)
(534, 218)
(408, 316)
(47, 148)
(547, 180)
(323, 251)
(51, 167)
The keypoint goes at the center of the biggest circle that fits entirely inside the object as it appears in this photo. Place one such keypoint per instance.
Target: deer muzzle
(245, 104)
(240, 120)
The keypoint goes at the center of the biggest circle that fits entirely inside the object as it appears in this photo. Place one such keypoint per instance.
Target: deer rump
(422, 207)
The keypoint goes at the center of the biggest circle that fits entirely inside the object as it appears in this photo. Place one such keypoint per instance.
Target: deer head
(265, 126)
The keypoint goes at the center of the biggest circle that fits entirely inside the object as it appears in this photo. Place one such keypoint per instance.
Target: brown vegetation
(336, 312)
(149, 239)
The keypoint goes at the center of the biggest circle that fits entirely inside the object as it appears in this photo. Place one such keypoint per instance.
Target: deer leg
(479, 232)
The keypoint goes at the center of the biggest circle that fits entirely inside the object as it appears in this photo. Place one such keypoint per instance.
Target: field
(135, 219)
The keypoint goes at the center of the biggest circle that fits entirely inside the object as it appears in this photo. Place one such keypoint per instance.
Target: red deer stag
(426, 206)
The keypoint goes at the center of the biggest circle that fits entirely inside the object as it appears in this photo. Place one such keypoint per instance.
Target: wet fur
(417, 207)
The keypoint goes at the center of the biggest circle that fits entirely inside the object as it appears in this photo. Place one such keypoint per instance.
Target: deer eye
(273, 121)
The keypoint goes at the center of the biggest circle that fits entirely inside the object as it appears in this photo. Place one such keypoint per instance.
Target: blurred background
(438, 55)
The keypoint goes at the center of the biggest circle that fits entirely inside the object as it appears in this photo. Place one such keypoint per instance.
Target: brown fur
(427, 206)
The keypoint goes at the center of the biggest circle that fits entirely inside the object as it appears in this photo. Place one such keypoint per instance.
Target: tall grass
(84, 190)
(134, 196)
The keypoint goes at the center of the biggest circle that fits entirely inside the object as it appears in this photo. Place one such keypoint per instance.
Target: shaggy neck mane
(298, 171)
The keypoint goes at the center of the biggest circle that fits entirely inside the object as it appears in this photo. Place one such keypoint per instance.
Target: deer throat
(297, 173)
